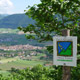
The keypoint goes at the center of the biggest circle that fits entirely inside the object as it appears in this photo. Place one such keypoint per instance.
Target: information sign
(65, 51)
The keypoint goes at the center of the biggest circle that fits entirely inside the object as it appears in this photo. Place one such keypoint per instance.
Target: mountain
(15, 20)
(3, 15)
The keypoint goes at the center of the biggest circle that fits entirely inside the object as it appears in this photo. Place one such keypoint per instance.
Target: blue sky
(15, 6)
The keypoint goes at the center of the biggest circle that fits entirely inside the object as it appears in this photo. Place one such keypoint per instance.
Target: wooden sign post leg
(66, 69)
(66, 73)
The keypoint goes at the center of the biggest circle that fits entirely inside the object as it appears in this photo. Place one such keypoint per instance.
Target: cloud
(6, 6)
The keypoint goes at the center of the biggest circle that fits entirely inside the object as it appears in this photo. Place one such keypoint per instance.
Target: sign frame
(65, 60)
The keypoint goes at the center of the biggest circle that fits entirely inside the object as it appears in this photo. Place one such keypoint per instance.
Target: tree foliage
(40, 72)
(51, 17)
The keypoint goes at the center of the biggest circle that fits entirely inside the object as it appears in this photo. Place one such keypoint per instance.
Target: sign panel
(65, 51)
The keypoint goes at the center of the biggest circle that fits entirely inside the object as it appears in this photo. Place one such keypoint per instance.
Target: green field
(19, 64)
(6, 60)
(4, 30)
(7, 63)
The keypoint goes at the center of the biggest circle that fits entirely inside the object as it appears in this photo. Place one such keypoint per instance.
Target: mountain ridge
(15, 20)
(3, 15)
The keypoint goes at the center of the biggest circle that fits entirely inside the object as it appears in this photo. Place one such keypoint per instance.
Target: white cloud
(6, 6)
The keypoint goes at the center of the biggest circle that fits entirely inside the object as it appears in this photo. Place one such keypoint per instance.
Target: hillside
(3, 15)
(15, 20)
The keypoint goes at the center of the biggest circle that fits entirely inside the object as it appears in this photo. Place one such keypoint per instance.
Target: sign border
(66, 58)
(71, 48)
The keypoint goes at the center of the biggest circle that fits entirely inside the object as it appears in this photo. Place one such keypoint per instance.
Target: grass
(7, 30)
(19, 64)
(6, 60)
(38, 56)
(5, 73)
(8, 63)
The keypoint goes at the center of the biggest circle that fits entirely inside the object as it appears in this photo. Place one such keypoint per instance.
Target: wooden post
(66, 69)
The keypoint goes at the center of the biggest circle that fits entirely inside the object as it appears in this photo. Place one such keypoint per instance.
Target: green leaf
(61, 0)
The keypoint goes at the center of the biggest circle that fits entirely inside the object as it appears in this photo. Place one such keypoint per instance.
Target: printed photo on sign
(64, 48)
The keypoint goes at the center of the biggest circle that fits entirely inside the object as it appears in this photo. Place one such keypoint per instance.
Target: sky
(15, 6)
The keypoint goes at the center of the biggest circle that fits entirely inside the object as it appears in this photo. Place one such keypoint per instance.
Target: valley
(18, 52)
(15, 50)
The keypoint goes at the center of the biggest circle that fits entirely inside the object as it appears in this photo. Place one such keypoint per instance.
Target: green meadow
(9, 63)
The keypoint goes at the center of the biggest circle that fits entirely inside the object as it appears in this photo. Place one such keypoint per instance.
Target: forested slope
(15, 20)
